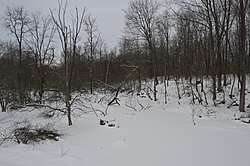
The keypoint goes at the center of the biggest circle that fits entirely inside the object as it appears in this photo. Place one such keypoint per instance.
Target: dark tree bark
(93, 38)
(69, 36)
(243, 6)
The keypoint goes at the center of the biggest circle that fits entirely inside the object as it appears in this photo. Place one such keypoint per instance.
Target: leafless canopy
(16, 21)
(140, 17)
(69, 37)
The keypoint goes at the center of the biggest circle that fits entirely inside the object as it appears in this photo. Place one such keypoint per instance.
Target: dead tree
(93, 38)
(41, 30)
(164, 28)
(16, 22)
(69, 37)
(115, 99)
(243, 7)
(140, 20)
(216, 18)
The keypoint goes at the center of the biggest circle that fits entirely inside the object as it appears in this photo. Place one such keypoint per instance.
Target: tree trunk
(242, 51)
(165, 85)
(91, 79)
(107, 74)
(68, 89)
(41, 91)
(68, 106)
(139, 78)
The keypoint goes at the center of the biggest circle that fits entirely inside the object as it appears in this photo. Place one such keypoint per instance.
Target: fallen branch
(46, 106)
(31, 134)
(115, 99)
(96, 110)
(28, 135)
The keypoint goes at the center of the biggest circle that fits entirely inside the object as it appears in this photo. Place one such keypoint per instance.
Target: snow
(162, 134)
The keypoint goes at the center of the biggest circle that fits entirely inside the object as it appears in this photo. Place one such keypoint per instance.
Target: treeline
(197, 38)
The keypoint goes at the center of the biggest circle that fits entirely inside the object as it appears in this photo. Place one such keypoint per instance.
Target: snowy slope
(158, 136)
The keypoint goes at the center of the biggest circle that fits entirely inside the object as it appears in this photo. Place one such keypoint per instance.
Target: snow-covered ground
(158, 135)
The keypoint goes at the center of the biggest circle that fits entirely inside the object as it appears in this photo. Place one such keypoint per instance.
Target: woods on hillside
(52, 56)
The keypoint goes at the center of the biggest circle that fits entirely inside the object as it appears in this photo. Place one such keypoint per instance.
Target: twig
(93, 110)
(48, 106)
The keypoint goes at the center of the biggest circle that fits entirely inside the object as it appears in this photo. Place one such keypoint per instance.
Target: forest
(174, 89)
(206, 39)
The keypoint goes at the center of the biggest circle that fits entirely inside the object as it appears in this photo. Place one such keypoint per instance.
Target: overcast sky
(109, 14)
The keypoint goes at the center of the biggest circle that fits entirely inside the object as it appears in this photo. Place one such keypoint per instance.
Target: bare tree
(41, 32)
(93, 37)
(140, 20)
(216, 17)
(8, 68)
(218, 14)
(164, 30)
(243, 7)
(16, 22)
(69, 37)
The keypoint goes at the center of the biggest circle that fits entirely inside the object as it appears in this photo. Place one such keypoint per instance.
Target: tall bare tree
(216, 17)
(164, 31)
(243, 7)
(219, 15)
(16, 22)
(69, 37)
(140, 20)
(93, 37)
(41, 30)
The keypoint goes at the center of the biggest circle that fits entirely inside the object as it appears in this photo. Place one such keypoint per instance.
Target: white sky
(109, 14)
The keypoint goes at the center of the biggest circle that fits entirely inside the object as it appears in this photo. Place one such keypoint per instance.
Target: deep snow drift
(160, 134)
